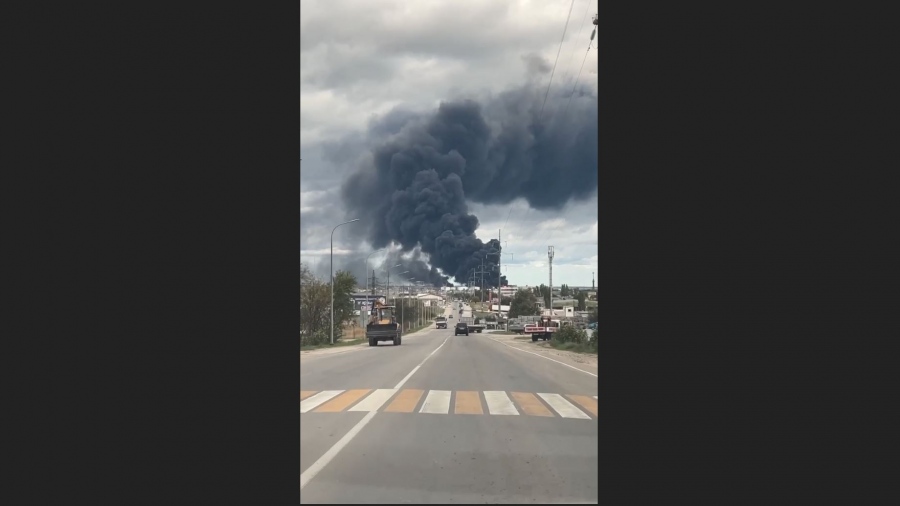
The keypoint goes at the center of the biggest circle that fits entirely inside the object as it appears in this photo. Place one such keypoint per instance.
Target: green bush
(570, 334)
(316, 338)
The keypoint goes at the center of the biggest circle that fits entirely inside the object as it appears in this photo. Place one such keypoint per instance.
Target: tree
(543, 291)
(580, 297)
(344, 285)
(314, 308)
(594, 316)
(564, 290)
(524, 303)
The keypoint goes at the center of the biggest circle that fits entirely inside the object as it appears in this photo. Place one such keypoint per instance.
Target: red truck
(543, 329)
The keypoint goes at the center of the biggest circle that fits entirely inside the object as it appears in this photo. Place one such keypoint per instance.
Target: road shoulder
(353, 347)
(584, 361)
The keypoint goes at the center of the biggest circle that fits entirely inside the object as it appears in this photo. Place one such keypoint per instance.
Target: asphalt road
(446, 419)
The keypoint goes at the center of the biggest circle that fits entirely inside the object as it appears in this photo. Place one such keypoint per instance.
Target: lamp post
(332, 275)
(411, 280)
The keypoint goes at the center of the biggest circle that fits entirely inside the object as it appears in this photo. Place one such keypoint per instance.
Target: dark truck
(440, 322)
(471, 323)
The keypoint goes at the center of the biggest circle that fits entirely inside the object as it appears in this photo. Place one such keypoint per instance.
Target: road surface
(446, 419)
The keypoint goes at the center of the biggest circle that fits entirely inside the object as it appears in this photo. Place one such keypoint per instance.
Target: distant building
(509, 290)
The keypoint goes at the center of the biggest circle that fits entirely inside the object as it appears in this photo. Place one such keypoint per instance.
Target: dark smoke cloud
(424, 167)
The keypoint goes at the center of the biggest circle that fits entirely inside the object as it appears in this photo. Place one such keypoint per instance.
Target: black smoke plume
(422, 169)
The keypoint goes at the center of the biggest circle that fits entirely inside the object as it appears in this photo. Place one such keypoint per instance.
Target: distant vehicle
(543, 329)
(461, 328)
(440, 322)
(451, 316)
(516, 327)
(592, 326)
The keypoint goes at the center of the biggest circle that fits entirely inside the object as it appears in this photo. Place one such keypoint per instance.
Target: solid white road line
(375, 400)
(595, 397)
(332, 452)
(542, 356)
(323, 461)
(498, 403)
(565, 408)
(320, 398)
(437, 402)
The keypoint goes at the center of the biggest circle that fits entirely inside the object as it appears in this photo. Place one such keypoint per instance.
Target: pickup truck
(440, 322)
(470, 321)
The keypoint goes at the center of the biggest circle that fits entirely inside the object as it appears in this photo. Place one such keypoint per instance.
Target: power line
(541, 115)
(575, 84)
(587, 8)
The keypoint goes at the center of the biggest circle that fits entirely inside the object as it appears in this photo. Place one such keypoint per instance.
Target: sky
(368, 67)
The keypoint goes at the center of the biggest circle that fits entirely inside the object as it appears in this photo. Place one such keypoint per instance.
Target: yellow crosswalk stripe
(468, 403)
(586, 402)
(530, 404)
(406, 401)
(342, 401)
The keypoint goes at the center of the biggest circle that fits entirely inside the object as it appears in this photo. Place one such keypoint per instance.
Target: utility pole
(499, 259)
(482, 280)
(550, 257)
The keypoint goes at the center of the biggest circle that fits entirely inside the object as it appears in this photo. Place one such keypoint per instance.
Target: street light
(332, 275)
(411, 280)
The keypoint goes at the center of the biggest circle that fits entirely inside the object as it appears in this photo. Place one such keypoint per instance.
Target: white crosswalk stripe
(498, 403)
(595, 397)
(318, 399)
(375, 400)
(565, 408)
(437, 401)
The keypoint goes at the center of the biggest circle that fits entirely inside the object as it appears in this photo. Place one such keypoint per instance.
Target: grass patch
(575, 347)
(415, 329)
(348, 342)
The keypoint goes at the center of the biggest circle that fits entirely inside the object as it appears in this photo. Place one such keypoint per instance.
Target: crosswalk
(446, 402)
